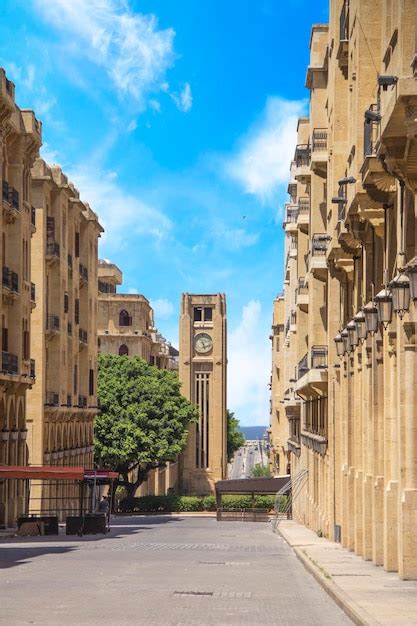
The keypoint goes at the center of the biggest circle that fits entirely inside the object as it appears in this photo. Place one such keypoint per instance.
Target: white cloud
(183, 99)
(44, 105)
(122, 214)
(249, 365)
(163, 308)
(155, 105)
(132, 126)
(235, 239)
(132, 290)
(261, 163)
(22, 77)
(129, 46)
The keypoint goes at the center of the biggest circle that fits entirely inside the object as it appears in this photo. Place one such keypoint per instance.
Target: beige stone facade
(351, 236)
(126, 323)
(20, 139)
(63, 401)
(203, 374)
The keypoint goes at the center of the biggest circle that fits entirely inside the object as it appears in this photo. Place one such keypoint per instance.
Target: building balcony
(316, 260)
(302, 171)
(312, 370)
(301, 295)
(303, 215)
(32, 369)
(83, 336)
(52, 252)
(83, 274)
(52, 324)
(293, 322)
(52, 398)
(10, 284)
(11, 206)
(319, 154)
(342, 53)
(290, 223)
(10, 363)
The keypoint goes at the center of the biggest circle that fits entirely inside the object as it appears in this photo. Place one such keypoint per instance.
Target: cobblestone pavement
(161, 570)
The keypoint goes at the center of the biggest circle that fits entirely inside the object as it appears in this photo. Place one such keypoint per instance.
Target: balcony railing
(319, 357)
(302, 155)
(9, 363)
(319, 244)
(287, 327)
(10, 195)
(319, 140)
(33, 216)
(83, 335)
(344, 22)
(32, 368)
(52, 398)
(304, 206)
(5, 191)
(302, 288)
(10, 280)
(69, 400)
(302, 367)
(52, 323)
(32, 292)
(292, 215)
(83, 273)
(82, 402)
(52, 249)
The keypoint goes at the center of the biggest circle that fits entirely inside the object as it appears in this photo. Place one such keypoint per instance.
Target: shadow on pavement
(19, 550)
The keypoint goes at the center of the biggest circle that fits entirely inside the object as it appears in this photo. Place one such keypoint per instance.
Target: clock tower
(203, 374)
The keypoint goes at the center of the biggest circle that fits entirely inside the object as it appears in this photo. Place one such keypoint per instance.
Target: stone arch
(123, 350)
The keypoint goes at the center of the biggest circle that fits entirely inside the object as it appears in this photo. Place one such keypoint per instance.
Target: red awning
(51, 472)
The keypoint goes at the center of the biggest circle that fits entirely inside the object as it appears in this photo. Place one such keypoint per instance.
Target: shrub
(190, 503)
(209, 503)
(172, 503)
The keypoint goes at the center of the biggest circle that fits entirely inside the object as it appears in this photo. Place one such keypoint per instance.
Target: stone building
(20, 139)
(203, 374)
(126, 323)
(62, 403)
(347, 328)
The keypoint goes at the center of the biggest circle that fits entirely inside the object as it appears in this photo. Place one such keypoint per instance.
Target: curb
(357, 614)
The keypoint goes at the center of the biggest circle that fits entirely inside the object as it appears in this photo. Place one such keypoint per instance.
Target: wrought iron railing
(319, 244)
(319, 357)
(32, 368)
(304, 206)
(52, 323)
(32, 292)
(302, 367)
(10, 363)
(319, 140)
(52, 249)
(52, 398)
(302, 155)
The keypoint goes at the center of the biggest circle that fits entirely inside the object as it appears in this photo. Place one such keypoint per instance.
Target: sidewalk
(367, 593)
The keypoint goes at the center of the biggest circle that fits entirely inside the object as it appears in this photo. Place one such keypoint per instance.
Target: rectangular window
(50, 228)
(5, 339)
(208, 314)
(77, 311)
(26, 345)
(77, 244)
(66, 303)
(75, 378)
(198, 314)
(91, 383)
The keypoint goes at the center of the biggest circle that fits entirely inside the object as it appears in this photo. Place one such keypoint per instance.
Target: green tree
(259, 470)
(235, 438)
(143, 419)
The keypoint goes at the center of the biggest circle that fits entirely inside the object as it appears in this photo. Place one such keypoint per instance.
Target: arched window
(123, 350)
(124, 318)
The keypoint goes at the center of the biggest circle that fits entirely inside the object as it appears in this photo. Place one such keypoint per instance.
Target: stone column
(391, 458)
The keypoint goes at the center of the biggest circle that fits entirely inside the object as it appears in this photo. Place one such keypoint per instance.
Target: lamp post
(383, 301)
(360, 322)
(340, 345)
(346, 341)
(353, 334)
(400, 289)
(411, 271)
(371, 318)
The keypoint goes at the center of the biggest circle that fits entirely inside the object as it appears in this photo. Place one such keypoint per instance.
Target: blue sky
(176, 121)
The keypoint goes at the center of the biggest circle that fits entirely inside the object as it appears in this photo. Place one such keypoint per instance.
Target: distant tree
(235, 438)
(259, 470)
(143, 418)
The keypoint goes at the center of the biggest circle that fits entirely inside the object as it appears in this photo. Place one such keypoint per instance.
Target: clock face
(203, 343)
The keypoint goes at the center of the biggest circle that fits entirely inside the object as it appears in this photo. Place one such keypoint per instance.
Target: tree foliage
(143, 419)
(259, 470)
(235, 438)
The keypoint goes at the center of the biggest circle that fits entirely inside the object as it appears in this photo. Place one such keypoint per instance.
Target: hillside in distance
(253, 432)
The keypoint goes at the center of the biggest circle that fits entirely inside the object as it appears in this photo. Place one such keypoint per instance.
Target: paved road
(162, 570)
(245, 458)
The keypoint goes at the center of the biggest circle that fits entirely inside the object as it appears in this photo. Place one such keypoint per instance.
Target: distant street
(162, 570)
(246, 457)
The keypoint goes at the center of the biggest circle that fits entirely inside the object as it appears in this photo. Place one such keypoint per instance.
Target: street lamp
(340, 346)
(411, 271)
(400, 289)
(371, 318)
(360, 322)
(383, 301)
(346, 340)
(353, 334)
